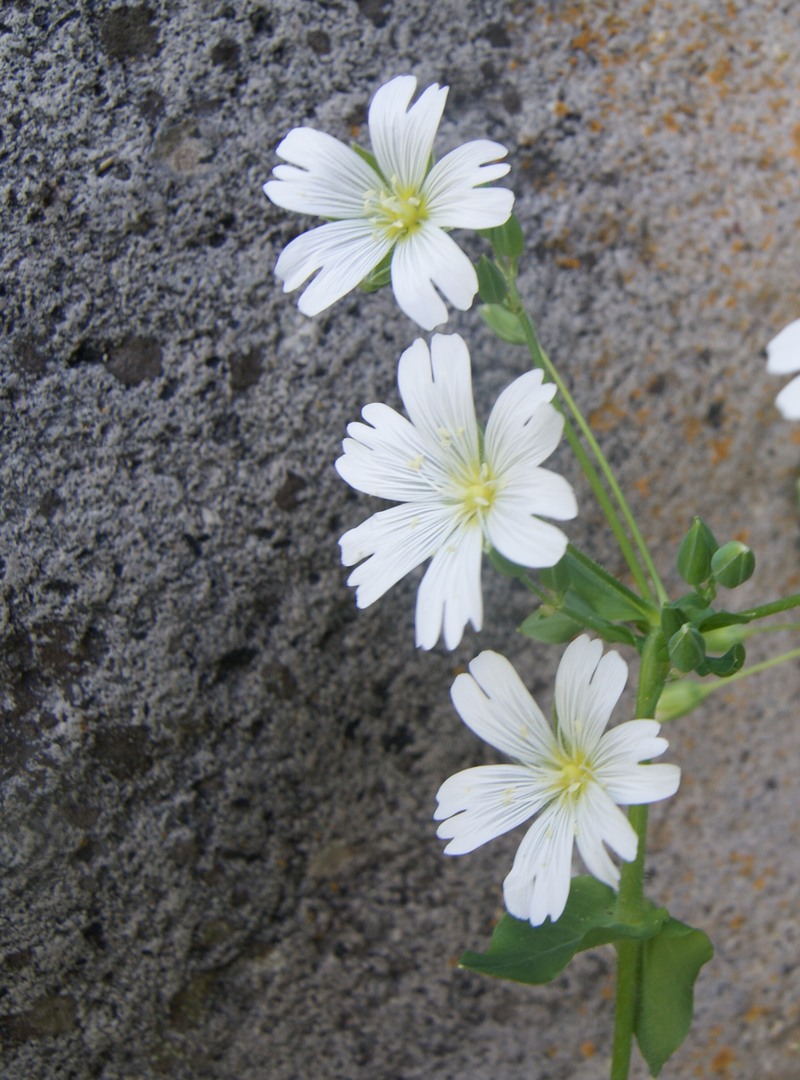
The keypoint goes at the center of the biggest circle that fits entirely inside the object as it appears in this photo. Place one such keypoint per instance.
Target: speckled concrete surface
(217, 777)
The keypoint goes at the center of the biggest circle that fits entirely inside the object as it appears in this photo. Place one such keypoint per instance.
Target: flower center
(573, 774)
(397, 210)
(479, 492)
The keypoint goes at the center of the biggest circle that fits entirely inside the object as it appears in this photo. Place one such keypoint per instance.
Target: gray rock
(218, 777)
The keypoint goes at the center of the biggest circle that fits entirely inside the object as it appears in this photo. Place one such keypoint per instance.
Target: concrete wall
(218, 777)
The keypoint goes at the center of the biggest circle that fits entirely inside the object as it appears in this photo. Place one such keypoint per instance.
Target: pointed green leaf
(365, 155)
(503, 323)
(671, 962)
(550, 626)
(379, 277)
(536, 954)
(492, 286)
(508, 239)
(601, 590)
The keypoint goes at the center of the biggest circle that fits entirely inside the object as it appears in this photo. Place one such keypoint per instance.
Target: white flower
(404, 206)
(572, 777)
(783, 358)
(456, 490)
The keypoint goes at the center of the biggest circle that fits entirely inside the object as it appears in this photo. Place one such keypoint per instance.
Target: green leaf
(536, 954)
(492, 285)
(605, 595)
(722, 619)
(727, 664)
(507, 240)
(671, 962)
(550, 626)
(503, 323)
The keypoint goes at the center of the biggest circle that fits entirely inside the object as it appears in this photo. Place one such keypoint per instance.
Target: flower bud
(732, 564)
(687, 648)
(695, 552)
(681, 697)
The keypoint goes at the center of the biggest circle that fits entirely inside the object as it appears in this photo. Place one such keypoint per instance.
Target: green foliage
(365, 155)
(536, 954)
(670, 963)
(492, 286)
(507, 240)
(550, 626)
(503, 323)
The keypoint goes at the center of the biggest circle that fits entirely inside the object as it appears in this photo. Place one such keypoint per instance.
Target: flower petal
(783, 352)
(522, 426)
(436, 388)
(539, 881)
(402, 137)
(483, 803)
(449, 594)
(599, 821)
(426, 258)
(531, 490)
(788, 400)
(392, 543)
(324, 177)
(588, 686)
(523, 539)
(343, 251)
(390, 459)
(634, 785)
(452, 192)
(493, 702)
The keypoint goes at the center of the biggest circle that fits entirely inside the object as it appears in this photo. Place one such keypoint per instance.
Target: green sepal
(506, 567)
(671, 961)
(503, 323)
(574, 605)
(724, 666)
(379, 277)
(687, 648)
(508, 240)
(555, 578)
(550, 626)
(695, 552)
(492, 286)
(732, 564)
(536, 954)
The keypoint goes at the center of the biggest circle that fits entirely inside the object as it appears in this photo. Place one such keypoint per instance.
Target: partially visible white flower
(404, 207)
(573, 777)
(456, 490)
(783, 358)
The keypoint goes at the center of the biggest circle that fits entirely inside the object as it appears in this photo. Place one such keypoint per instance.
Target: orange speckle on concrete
(795, 151)
(754, 1013)
(588, 1049)
(561, 108)
(355, 131)
(691, 428)
(721, 1060)
(607, 416)
(737, 922)
(642, 485)
(669, 122)
(720, 448)
(568, 262)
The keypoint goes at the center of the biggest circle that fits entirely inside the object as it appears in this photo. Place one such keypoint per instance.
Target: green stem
(541, 359)
(773, 608)
(630, 901)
